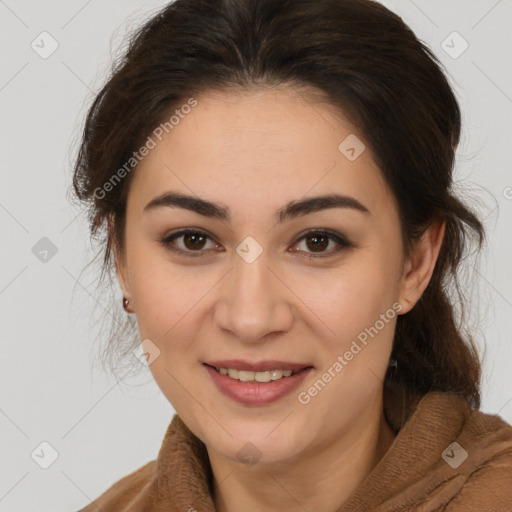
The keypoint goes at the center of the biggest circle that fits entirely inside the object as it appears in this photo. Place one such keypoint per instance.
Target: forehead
(260, 147)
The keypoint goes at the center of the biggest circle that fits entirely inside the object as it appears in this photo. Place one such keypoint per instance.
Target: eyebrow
(289, 211)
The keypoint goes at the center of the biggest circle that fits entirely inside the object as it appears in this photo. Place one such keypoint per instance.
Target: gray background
(102, 430)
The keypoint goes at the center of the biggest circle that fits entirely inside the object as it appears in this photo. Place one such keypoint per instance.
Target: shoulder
(487, 488)
(488, 482)
(123, 493)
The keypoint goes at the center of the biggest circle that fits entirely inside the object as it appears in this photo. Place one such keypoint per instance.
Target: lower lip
(256, 393)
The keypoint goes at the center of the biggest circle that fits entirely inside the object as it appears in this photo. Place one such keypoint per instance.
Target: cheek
(164, 301)
(358, 308)
(164, 291)
(354, 296)
(168, 305)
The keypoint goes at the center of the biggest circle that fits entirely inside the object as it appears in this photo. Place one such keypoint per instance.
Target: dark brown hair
(366, 62)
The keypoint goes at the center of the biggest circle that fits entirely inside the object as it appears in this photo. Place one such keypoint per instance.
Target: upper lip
(260, 366)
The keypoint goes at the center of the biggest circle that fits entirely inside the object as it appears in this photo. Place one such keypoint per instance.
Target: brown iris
(319, 242)
(196, 240)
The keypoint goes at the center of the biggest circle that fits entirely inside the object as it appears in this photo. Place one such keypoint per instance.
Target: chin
(266, 453)
(250, 446)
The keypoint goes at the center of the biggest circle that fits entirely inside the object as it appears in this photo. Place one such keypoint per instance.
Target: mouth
(256, 383)
(264, 371)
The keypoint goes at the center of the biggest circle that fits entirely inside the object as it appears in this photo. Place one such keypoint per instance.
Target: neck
(321, 479)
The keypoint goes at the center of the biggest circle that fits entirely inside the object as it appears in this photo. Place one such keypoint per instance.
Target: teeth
(275, 374)
(246, 376)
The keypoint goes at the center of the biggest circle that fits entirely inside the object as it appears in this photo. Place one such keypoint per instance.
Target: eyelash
(342, 242)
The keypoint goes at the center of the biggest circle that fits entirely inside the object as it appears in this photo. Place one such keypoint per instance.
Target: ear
(419, 267)
(118, 259)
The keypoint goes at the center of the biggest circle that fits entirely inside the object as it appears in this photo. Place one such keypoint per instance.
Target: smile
(247, 376)
(257, 387)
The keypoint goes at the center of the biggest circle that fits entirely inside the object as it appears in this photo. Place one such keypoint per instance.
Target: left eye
(320, 240)
(316, 241)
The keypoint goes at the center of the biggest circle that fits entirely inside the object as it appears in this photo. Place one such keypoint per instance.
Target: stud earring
(125, 304)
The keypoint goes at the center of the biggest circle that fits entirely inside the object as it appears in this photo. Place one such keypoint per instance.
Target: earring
(125, 304)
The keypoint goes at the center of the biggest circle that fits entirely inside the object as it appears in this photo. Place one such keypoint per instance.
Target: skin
(254, 151)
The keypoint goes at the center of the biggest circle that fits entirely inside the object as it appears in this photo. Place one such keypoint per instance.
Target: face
(317, 287)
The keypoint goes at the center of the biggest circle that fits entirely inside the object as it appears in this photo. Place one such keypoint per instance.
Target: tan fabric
(411, 476)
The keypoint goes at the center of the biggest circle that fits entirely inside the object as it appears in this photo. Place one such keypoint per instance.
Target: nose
(254, 302)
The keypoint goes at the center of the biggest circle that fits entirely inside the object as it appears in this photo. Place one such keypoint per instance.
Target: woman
(275, 179)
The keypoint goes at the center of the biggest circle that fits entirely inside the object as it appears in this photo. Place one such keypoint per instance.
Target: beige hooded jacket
(445, 457)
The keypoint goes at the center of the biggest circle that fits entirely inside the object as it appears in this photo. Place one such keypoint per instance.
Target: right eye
(193, 242)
